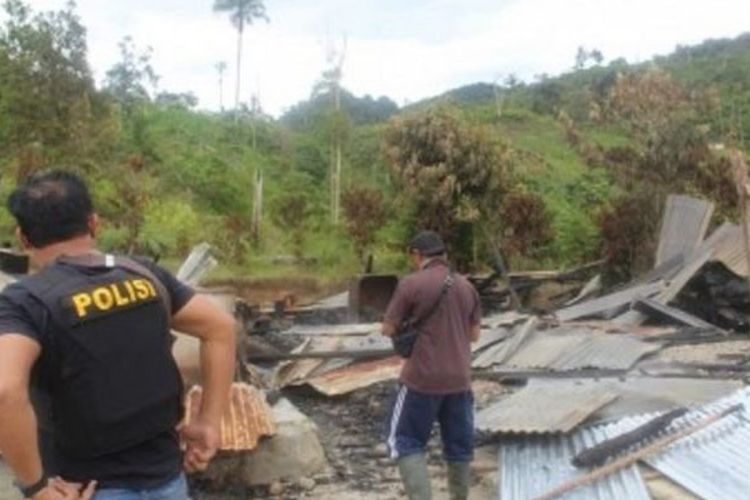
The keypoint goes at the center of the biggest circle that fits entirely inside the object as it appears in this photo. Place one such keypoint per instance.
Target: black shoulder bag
(404, 338)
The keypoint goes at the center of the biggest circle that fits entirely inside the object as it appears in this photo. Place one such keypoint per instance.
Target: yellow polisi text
(113, 296)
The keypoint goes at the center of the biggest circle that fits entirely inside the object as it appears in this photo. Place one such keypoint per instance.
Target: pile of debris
(601, 367)
(656, 370)
(549, 386)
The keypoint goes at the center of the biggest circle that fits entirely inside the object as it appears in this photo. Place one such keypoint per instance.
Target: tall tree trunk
(239, 72)
(337, 186)
(257, 219)
(337, 168)
(221, 91)
(332, 178)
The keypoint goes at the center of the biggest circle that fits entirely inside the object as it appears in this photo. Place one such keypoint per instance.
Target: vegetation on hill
(555, 172)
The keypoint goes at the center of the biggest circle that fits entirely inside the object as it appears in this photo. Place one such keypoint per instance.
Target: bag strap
(447, 284)
(109, 260)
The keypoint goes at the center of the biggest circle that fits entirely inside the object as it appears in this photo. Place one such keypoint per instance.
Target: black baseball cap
(427, 243)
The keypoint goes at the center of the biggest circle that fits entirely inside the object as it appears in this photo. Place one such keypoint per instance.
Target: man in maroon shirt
(436, 379)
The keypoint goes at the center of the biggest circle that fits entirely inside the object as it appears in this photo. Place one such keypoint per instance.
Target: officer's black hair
(51, 207)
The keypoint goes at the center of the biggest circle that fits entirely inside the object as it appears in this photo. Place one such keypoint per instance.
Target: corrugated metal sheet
(730, 249)
(656, 309)
(724, 245)
(533, 465)
(639, 395)
(197, 265)
(357, 376)
(489, 337)
(613, 351)
(713, 462)
(591, 287)
(697, 261)
(541, 408)
(683, 226)
(298, 372)
(248, 419)
(570, 349)
(295, 372)
(501, 351)
(608, 302)
(508, 318)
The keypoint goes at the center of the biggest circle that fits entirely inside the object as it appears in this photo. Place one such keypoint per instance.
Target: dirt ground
(352, 432)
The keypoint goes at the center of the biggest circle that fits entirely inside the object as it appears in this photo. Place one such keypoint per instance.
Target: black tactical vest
(106, 351)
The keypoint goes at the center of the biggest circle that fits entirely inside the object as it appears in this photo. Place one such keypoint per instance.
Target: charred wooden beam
(599, 454)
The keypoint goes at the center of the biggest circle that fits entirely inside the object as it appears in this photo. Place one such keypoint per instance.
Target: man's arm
(18, 426)
(397, 310)
(215, 329)
(475, 318)
(388, 329)
(475, 332)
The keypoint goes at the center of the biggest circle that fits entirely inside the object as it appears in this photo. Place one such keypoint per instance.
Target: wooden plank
(598, 454)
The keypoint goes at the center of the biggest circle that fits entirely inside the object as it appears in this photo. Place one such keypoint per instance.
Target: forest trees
(451, 175)
(365, 214)
(668, 151)
(48, 103)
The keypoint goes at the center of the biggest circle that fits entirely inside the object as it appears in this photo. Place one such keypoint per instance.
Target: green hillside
(166, 176)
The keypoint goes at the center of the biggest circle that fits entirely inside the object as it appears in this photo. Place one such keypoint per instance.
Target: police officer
(91, 333)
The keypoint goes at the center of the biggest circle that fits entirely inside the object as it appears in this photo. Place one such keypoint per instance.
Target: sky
(404, 49)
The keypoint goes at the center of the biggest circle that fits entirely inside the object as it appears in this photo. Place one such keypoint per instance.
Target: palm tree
(241, 12)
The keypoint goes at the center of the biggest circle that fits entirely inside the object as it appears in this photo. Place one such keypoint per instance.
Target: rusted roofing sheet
(532, 465)
(683, 226)
(711, 463)
(356, 376)
(542, 408)
(297, 372)
(247, 420)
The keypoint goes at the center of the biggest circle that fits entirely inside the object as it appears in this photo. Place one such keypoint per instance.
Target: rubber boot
(416, 478)
(459, 479)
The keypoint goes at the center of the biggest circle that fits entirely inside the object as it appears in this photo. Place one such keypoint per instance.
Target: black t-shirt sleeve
(179, 293)
(19, 312)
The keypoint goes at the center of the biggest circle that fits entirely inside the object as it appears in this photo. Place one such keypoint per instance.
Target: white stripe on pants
(397, 408)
